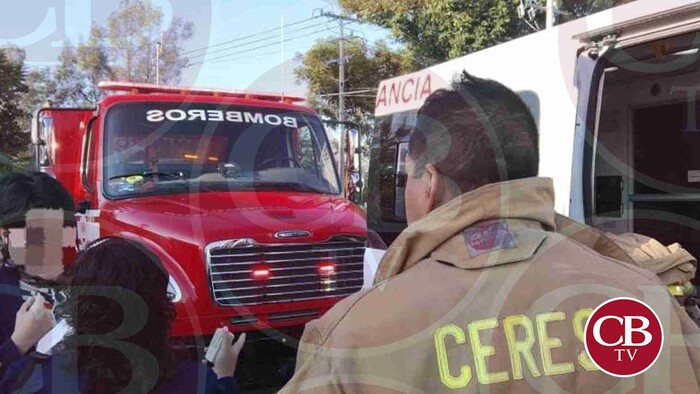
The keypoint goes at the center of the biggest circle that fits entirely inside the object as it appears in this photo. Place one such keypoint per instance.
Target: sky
(254, 63)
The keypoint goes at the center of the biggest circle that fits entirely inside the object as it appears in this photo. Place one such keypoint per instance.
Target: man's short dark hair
(477, 132)
(21, 192)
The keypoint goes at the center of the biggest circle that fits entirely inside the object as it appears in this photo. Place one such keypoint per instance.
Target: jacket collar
(530, 199)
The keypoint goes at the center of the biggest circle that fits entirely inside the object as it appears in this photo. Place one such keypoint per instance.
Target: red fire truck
(236, 192)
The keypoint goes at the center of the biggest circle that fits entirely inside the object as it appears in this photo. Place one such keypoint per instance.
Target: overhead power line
(246, 57)
(276, 29)
(356, 93)
(229, 55)
(275, 37)
(258, 55)
(260, 40)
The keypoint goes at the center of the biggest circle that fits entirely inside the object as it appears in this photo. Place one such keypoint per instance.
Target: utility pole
(341, 105)
(282, 54)
(341, 93)
(159, 51)
(550, 14)
(341, 60)
(341, 72)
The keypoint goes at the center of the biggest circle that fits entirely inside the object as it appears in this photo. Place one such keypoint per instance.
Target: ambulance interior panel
(647, 145)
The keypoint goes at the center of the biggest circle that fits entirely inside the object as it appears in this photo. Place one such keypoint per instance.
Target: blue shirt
(10, 301)
(58, 374)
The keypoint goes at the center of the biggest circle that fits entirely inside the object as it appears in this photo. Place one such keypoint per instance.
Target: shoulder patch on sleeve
(487, 236)
(522, 245)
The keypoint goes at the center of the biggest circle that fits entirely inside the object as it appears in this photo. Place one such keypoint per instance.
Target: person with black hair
(37, 233)
(120, 315)
(481, 292)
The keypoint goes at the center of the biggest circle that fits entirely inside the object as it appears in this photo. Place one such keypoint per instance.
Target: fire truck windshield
(162, 148)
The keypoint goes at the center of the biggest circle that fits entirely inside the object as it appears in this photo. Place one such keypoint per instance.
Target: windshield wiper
(295, 186)
(176, 175)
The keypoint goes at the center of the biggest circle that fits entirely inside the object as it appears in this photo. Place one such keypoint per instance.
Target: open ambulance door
(636, 164)
(590, 70)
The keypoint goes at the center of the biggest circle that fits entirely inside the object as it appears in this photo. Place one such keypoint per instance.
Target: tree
(93, 62)
(135, 34)
(366, 66)
(132, 33)
(125, 50)
(42, 89)
(440, 30)
(14, 140)
(573, 9)
(68, 78)
(74, 82)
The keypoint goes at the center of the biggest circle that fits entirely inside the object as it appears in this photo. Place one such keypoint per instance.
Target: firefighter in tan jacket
(481, 293)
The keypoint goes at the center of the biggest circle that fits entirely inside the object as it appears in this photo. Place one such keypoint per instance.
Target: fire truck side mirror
(354, 162)
(347, 150)
(36, 125)
(41, 137)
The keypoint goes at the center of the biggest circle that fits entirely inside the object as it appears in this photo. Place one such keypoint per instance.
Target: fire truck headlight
(174, 289)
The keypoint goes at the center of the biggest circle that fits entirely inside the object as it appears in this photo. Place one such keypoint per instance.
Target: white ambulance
(614, 97)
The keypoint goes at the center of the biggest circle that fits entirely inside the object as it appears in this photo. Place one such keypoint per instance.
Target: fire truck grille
(254, 274)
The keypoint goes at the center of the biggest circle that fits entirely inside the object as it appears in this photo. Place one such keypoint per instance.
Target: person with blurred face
(37, 236)
(117, 285)
(481, 293)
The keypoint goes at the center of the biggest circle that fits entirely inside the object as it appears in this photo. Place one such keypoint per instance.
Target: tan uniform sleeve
(691, 334)
(672, 264)
(310, 341)
(313, 369)
(319, 358)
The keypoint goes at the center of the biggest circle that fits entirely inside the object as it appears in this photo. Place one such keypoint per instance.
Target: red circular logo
(623, 337)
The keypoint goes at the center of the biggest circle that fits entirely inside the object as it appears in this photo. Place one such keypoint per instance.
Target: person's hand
(227, 357)
(33, 321)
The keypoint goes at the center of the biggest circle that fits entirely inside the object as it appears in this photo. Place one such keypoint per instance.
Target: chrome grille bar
(293, 269)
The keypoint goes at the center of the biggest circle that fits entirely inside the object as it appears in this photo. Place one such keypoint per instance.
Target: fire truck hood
(200, 219)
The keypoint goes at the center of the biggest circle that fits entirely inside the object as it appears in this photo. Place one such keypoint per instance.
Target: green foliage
(70, 81)
(365, 67)
(573, 9)
(42, 87)
(438, 30)
(13, 139)
(74, 82)
(124, 50)
(93, 61)
(134, 35)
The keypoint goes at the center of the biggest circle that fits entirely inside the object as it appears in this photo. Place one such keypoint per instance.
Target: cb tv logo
(623, 337)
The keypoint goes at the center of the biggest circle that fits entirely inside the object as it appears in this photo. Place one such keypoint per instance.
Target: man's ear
(435, 185)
